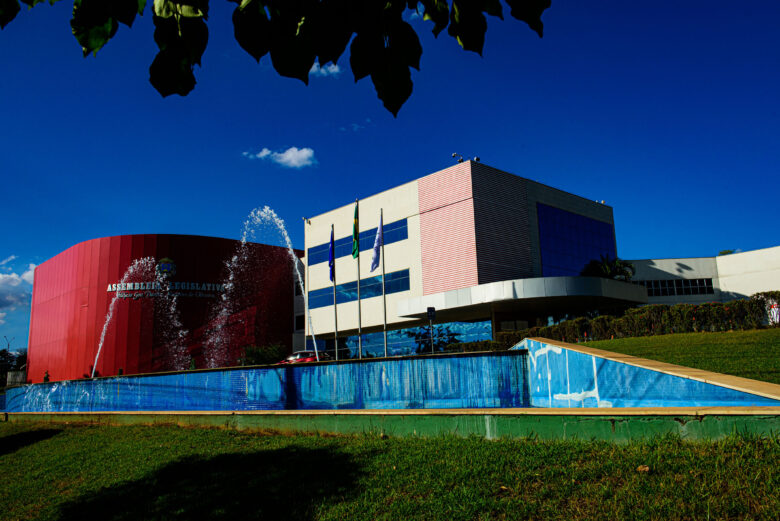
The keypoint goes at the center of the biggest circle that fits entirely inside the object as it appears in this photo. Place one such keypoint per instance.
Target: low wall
(475, 380)
(569, 375)
(616, 425)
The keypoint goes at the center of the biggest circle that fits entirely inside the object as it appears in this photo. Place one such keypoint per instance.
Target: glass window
(409, 341)
(393, 232)
(568, 241)
(395, 282)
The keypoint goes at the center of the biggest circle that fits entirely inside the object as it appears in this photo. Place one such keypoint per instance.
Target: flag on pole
(355, 235)
(378, 241)
(332, 257)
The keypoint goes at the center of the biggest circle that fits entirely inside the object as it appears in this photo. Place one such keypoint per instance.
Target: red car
(304, 356)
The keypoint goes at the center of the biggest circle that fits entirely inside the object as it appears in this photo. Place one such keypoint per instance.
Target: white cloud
(293, 157)
(7, 260)
(28, 275)
(330, 69)
(12, 292)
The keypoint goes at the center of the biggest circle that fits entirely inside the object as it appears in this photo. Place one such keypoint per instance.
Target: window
(393, 232)
(673, 287)
(300, 322)
(410, 341)
(568, 241)
(395, 282)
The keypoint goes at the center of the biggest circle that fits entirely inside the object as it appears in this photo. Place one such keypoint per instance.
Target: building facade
(158, 302)
(709, 279)
(487, 249)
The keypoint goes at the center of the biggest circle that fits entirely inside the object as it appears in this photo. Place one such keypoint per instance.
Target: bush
(602, 327)
(271, 354)
(471, 347)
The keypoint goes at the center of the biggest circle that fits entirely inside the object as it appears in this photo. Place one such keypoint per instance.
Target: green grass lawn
(749, 354)
(133, 473)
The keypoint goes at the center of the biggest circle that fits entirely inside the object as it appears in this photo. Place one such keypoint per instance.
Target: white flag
(378, 241)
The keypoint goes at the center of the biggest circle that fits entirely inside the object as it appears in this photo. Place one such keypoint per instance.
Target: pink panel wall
(447, 240)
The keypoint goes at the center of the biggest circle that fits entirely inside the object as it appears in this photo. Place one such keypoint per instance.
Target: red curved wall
(71, 297)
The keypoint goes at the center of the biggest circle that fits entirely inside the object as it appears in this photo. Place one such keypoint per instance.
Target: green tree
(609, 268)
(296, 34)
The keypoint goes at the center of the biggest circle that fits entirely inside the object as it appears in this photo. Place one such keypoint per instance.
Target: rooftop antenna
(458, 157)
(8, 342)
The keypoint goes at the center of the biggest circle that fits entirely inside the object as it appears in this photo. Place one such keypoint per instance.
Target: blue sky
(670, 112)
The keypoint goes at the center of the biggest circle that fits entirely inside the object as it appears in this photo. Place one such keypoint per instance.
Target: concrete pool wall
(463, 381)
(565, 375)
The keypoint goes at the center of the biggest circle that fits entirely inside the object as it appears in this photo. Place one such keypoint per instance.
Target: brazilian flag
(355, 235)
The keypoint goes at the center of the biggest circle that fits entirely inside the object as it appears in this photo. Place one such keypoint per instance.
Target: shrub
(471, 347)
(602, 327)
(270, 354)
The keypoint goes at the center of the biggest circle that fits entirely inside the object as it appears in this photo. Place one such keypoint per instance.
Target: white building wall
(743, 274)
(672, 269)
(398, 203)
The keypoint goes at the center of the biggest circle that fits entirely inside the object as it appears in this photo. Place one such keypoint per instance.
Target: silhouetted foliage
(609, 268)
(296, 34)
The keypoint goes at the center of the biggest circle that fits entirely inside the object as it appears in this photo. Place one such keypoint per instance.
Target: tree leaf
(8, 11)
(181, 8)
(468, 24)
(392, 81)
(404, 42)
(252, 28)
(333, 28)
(530, 12)
(437, 11)
(171, 73)
(182, 42)
(366, 50)
(92, 24)
(125, 10)
(292, 48)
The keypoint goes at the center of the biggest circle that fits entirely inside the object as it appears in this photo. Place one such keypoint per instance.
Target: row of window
(410, 341)
(568, 241)
(395, 282)
(391, 232)
(672, 287)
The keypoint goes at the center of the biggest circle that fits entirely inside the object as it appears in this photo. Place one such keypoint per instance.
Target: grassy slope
(135, 473)
(749, 354)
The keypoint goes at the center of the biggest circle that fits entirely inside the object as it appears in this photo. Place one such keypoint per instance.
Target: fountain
(267, 215)
(172, 329)
(138, 267)
(217, 340)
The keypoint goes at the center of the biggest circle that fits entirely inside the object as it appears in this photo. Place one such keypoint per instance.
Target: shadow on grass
(14, 442)
(288, 483)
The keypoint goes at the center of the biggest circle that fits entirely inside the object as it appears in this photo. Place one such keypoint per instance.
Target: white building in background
(709, 279)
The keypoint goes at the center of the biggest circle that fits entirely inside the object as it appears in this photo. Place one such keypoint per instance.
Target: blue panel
(393, 232)
(395, 282)
(472, 380)
(560, 377)
(568, 241)
(408, 341)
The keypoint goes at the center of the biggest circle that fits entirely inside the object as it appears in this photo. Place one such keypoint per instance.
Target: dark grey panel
(501, 225)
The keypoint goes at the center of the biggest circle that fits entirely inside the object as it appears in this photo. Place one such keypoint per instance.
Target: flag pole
(384, 299)
(357, 238)
(335, 315)
(307, 318)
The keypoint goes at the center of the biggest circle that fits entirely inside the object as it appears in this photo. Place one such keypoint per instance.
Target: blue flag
(378, 241)
(332, 257)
